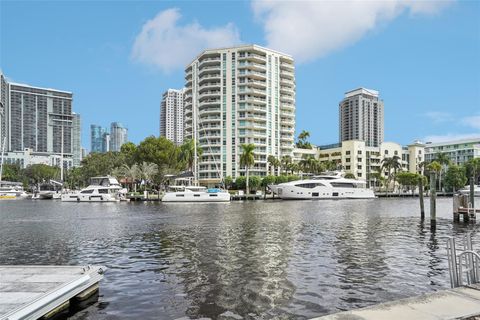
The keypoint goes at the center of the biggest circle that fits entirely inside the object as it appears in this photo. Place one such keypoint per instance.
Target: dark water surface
(253, 260)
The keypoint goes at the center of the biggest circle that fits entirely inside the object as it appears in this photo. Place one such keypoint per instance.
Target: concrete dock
(33, 292)
(458, 303)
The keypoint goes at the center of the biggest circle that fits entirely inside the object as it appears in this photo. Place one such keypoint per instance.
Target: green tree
(292, 178)
(228, 182)
(131, 174)
(350, 175)
(147, 171)
(187, 153)
(100, 164)
(38, 173)
(273, 162)
(281, 179)
(473, 169)
(303, 140)
(129, 151)
(408, 180)
(254, 182)
(247, 159)
(240, 182)
(455, 178)
(266, 181)
(389, 164)
(11, 172)
(444, 161)
(435, 167)
(74, 178)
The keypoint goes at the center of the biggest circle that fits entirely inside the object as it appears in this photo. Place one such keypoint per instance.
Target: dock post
(420, 195)
(433, 201)
(457, 199)
(472, 191)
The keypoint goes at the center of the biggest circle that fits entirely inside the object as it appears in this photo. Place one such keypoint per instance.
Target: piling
(433, 201)
(420, 195)
(472, 191)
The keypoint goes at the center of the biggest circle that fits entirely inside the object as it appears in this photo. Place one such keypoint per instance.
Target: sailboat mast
(194, 130)
(3, 152)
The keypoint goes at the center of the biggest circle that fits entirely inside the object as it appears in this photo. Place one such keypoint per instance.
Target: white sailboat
(195, 193)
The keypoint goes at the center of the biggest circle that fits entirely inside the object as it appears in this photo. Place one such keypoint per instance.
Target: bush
(240, 182)
(292, 178)
(281, 179)
(254, 182)
(268, 180)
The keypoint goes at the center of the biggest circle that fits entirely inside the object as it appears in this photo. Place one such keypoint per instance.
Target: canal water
(251, 260)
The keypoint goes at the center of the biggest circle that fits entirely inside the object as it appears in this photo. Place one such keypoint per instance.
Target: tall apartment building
(118, 136)
(361, 117)
(458, 151)
(172, 115)
(96, 138)
(3, 108)
(239, 95)
(76, 139)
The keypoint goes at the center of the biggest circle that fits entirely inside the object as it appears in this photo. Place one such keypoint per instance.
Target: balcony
(287, 106)
(251, 66)
(287, 98)
(209, 61)
(209, 102)
(251, 57)
(287, 66)
(206, 77)
(209, 86)
(250, 90)
(252, 74)
(287, 82)
(208, 94)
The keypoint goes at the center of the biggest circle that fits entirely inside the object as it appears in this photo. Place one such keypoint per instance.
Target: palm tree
(303, 140)
(147, 171)
(390, 164)
(444, 161)
(131, 173)
(273, 162)
(286, 161)
(247, 159)
(187, 153)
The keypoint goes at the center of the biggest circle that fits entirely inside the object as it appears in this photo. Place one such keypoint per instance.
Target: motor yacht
(328, 186)
(466, 190)
(101, 189)
(11, 190)
(195, 194)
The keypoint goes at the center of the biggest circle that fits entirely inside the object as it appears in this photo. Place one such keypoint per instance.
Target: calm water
(256, 260)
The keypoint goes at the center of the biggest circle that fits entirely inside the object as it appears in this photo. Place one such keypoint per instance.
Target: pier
(33, 292)
(457, 303)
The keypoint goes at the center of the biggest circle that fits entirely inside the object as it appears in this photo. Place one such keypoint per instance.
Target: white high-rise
(171, 115)
(76, 139)
(235, 96)
(118, 136)
(361, 117)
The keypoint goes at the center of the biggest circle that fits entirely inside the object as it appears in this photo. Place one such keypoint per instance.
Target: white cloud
(439, 117)
(472, 121)
(311, 29)
(168, 45)
(451, 137)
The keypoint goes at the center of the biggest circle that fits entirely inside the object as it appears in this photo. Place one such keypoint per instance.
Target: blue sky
(117, 57)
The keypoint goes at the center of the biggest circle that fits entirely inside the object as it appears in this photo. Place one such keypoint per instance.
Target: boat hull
(321, 193)
(88, 198)
(196, 197)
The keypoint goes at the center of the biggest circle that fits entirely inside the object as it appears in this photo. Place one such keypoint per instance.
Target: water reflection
(252, 260)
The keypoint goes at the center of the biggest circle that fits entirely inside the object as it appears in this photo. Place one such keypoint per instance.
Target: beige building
(171, 115)
(235, 96)
(355, 157)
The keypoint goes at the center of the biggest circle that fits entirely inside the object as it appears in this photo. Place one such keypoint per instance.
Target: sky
(118, 57)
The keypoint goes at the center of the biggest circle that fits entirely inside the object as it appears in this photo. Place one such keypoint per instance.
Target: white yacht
(330, 186)
(11, 190)
(466, 190)
(101, 189)
(195, 194)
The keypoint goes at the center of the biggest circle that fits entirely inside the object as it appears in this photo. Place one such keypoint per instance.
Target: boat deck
(31, 292)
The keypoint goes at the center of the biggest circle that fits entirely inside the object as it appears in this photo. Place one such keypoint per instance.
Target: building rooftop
(39, 88)
(361, 90)
(462, 141)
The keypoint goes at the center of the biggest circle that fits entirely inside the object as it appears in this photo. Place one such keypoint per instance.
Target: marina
(270, 259)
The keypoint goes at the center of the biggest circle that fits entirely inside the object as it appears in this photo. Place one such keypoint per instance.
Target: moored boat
(195, 194)
(101, 189)
(329, 186)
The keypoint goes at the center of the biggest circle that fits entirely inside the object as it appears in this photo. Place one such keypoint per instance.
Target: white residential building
(118, 136)
(361, 117)
(235, 96)
(458, 151)
(76, 139)
(172, 115)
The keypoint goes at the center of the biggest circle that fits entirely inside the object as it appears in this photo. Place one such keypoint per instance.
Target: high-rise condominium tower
(76, 139)
(236, 96)
(39, 119)
(96, 138)
(118, 136)
(171, 116)
(361, 117)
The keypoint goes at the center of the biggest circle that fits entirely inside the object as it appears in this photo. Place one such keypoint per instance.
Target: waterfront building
(299, 154)
(29, 157)
(458, 151)
(76, 139)
(414, 155)
(235, 96)
(363, 161)
(361, 117)
(36, 121)
(118, 136)
(97, 134)
(172, 115)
